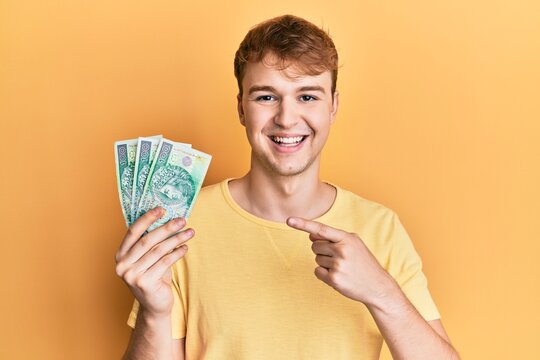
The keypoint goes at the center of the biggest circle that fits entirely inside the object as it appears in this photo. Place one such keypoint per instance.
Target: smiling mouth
(288, 141)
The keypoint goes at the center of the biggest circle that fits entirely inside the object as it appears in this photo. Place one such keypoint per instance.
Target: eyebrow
(256, 88)
(312, 88)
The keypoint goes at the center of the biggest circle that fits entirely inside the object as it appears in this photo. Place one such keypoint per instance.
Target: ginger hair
(292, 41)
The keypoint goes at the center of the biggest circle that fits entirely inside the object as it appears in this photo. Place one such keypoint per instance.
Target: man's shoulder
(209, 199)
(372, 220)
(351, 200)
(211, 193)
(212, 189)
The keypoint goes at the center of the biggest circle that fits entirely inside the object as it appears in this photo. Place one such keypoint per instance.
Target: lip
(287, 149)
(287, 135)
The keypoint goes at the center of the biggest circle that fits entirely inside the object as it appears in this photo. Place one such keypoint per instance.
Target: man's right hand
(143, 261)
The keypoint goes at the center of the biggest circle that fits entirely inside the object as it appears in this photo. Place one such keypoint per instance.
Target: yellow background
(439, 120)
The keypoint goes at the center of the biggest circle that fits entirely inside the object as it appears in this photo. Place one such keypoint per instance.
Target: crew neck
(274, 224)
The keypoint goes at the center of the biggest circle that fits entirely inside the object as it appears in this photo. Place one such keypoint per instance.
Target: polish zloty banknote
(125, 152)
(174, 181)
(146, 149)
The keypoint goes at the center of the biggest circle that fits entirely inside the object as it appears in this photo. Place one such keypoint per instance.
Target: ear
(335, 105)
(240, 110)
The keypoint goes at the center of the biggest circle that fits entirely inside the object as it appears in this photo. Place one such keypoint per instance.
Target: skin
(347, 265)
(143, 262)
(283, 186)
(273, 102)
(286, 187)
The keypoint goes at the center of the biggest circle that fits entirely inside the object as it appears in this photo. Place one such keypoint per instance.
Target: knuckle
(173, 225)
(185, 235)
(168, 260)
(333, 277)
(119, 269)
(339, 252)
(129, 277)
(177, 240)
(174, 256)
(158, 250)
(322, 231)
(144, 242)
(141, 282)
(130, 231)
(152, 213)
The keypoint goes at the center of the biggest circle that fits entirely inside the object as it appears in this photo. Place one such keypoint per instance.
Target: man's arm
(405, 331)
(439, 328)
(347, 265)
(151, 339)
(144, 262)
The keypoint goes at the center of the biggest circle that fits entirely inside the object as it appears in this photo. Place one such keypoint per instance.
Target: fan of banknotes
(154, 171)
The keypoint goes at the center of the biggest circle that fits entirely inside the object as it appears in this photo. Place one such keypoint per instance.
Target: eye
(307, 98)
(264, 98)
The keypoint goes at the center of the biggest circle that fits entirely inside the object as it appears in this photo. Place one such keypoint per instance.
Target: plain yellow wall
(439, 120)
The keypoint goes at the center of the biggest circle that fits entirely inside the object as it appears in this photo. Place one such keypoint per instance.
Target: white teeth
(287, 140)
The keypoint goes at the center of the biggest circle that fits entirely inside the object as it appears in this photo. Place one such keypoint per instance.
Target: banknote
(174, 181)
(125, 152)
(146, 149)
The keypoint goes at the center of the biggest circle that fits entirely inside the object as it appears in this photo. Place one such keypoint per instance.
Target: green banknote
(125, 152)
(146, 150)
(174, 181)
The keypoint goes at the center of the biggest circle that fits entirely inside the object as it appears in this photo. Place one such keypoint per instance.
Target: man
(284, 265)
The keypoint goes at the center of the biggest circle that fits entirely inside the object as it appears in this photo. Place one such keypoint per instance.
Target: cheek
(260, 112)
(257, 119)
(320, 123)
(254, 128)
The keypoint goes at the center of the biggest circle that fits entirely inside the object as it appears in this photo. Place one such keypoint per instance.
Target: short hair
(293, 41)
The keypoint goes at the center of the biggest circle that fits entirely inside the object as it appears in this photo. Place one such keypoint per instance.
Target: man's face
(287, 119)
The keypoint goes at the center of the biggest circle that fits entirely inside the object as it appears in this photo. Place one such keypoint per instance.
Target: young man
(284, 265)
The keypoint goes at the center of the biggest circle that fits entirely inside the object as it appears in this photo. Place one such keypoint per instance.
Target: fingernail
(291, 221)
(189, 232)
(179, 221)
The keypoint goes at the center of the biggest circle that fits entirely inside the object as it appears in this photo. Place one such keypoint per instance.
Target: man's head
(286, 69)
(293, 42)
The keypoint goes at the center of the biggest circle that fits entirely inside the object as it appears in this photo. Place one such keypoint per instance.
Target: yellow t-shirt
(246, 288)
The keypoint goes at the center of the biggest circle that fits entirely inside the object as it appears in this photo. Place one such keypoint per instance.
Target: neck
(275, 198)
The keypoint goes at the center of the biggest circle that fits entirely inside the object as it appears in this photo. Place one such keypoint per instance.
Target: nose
(287, 115)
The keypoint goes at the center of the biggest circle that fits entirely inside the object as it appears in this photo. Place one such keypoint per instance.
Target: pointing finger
(317, 230)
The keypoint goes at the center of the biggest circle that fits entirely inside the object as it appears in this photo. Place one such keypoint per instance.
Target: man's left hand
(345, 263)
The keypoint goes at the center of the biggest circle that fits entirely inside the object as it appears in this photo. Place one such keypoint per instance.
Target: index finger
(319, 231)
(137, 229)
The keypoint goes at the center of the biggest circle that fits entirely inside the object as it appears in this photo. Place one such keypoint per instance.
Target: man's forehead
(269, 74)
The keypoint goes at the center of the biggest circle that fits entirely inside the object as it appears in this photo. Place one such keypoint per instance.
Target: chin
(281, 170)
(285, 167)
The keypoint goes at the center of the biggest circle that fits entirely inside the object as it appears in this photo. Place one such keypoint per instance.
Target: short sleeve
(179, 310)
(405, 266)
